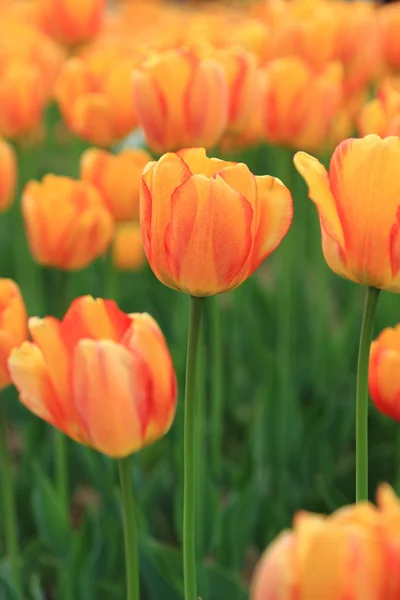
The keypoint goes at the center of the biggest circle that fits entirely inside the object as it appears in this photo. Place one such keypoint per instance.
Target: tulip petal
(273, 576)
(111, 391)
(384, 381)
(199, 164)
(208, 239)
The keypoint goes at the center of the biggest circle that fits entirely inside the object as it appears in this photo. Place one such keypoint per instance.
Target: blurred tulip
(71, 21)
(128, 251)
(299, 105)
(13, 325)
(389, 21)
(358, 207)
(384, 372)
(95, 96)
(208, 224)
(104, 378)
(117, 178)
(181, 100)
(67, 222)
(354, 553)
(382, 114)
(8, 175)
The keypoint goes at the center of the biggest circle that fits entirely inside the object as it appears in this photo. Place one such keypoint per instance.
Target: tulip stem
(9, 516)
(217, 385)
(130, 529)
(371, 300)
(61, 466)
(189, 455)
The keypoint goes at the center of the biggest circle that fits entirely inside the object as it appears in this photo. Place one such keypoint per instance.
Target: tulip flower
(299, 104)
(353, 553)
(384, 372)
(117, 178)
(71, 22)
(8, 175)
(67, 222)
(95, 97)
(102, 377)
(13, 332)
(389, 21)
(128, 251)
(382, 114)
(358, 207)
(208, 224)
(181, 100)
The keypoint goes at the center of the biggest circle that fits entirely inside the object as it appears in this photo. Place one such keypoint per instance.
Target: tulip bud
(8, 175)
(103, 377)
(384, 372)
(71, 22)
(358, 207)
(208, 224)
(13, 325)
(181, 100)
(67, 222)
(117, 178)
(128, 251)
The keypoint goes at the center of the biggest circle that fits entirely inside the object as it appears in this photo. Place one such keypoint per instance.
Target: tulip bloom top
(358, 203)
(104, 378)
(353, 554)
(384, 372)
(208, 224)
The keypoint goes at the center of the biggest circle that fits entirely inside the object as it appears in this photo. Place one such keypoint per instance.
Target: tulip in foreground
(208, 224)
(354, 553)
(117, 178)
(101, 376)
(67, 222)
(8, 175)
(384, 372)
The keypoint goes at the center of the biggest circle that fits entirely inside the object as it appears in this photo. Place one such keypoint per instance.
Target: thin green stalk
(371, 301)
(9, 514)
(217, 390)
(61, 469)
(189, 457)
(130, 530)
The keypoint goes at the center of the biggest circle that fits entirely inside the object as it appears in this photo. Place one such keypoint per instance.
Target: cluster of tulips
(138, 81)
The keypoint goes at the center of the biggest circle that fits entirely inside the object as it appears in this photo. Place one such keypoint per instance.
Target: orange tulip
(299, 105)
(353, 553)
(117, 178)
(67, 222)
(71, 21)
(8, 175)
(104, 378)
(382, 114)
(128, 251)
(358, 207)
(181, 100)
(384, 372)
(208, 224)
(95, 97)
(13, 325)
(389, 20)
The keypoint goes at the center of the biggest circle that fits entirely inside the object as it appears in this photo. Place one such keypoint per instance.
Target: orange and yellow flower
(128, 251)
(354, 553)
(13, 325)
(208, 224)
(101, 376)
(389, 21)
(299, 105)
(181, 100)
(8, 175)
(384, 372)
(382, 114)
(67, 222)
(71, 21)
(117, 177)
(358, 203)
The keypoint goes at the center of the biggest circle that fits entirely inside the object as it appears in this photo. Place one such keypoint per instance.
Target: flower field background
(277, 362)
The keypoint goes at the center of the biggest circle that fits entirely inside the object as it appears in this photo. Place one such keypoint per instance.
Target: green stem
(9, 513)
(189, 457)
(111, 277)
(371, 300)
(61, 468)
(130, 530)
(217, 391)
